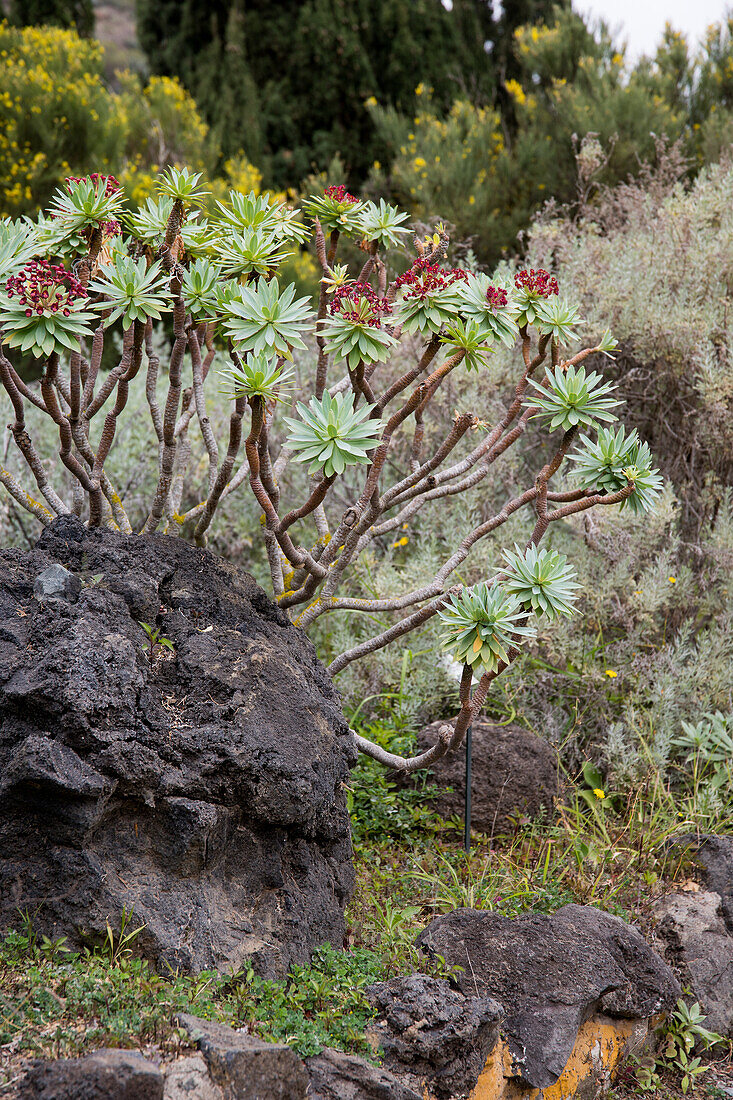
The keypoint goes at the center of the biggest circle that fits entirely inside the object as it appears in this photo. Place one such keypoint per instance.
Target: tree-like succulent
(482, 624)
(181, 185)
(573, 398)
(558, 320)
(336, 210)
(200, 283)
(428, 297)
(531, 289)
(250, 250)
(42, 310)
(381, 223)
(150, 221)
(87, 203)
(261, 212)
(331, 434)
(469, 337)
(612, 460)
(261, 318)
(489, 307)
(257, 376)
(353, 329)
(132, 290)
(541, 579)
(19, 242)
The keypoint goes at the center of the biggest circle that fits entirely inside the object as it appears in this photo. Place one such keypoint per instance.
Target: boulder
(432, 1034)
(514, 773)
(714, 857)
(188, 1078)
(580, 990)
(104, 1075)
(693, 928)
(338, 1076)
(200, 788)
(244, 1067)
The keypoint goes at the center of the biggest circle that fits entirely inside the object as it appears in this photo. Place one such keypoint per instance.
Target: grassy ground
(410, 867)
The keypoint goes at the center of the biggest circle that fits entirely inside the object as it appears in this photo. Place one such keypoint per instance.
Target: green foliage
(84, 204)
(258, 376)
(332, 434)
(74, 14)
(541, 580)
(573, 398)
(680, 1035)
(131, 290)
(260, 318)
(482, 624)
(609, 462)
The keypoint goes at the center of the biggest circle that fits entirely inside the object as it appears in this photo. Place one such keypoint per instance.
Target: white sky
(642, 21)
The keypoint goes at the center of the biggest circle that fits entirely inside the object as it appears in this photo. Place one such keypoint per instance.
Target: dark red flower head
(423, 279)
(347, 299)
(540, 282)
(43, 287)
(338, 193)
(496, 296)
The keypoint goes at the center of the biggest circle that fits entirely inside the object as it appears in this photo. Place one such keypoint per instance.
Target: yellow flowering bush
(56, 116)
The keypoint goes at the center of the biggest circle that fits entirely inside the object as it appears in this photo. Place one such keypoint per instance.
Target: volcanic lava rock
(198, 787)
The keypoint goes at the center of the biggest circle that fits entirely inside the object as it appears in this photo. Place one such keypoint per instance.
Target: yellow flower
(401, 542)
(611, 674)
(672, 580)
(419, 162)
(372, 101)
(599, 793)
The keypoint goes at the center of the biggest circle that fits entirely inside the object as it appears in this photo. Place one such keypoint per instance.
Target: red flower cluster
(423, 279)
(538, 282)
(41, 287)
(111, 184)
(338, 193)
(496, 297)
(346, 300)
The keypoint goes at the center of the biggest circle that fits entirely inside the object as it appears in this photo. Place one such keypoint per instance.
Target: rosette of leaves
(573, 398)
(612, 460)
(541, 580)
(82, 205)
(495, 321)
(42, 310)
(259, 376)
(355, 337)
(331, 434)
(382, 223)
(428, 312)
(248, 250)
(336, 210)
(149, 225)
(200, 284)
(468, 336)
(482, 624)
(261, 318)
(558, 320)
(181, 185)
(132, 290)
(259, 212)
(19, 242)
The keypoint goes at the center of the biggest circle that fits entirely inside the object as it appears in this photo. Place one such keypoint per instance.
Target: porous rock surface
(551, 974)
(514, 774)
(693, 928)
(431, 1033)
(202, 790)
(714, 857)
(103, 1075)
(338, 1076)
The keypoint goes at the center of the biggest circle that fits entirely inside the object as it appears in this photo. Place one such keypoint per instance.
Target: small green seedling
(156, 641)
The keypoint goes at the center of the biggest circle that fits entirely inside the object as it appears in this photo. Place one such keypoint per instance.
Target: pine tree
(78, 14)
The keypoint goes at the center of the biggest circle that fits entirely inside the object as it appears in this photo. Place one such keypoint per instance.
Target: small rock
(552, 974)
(188, 1079)
(338, 1076)
(56, 583)
(693, 928)
(104, 1075)
(514, 773)
(714, 854)
(244, 1067)
(434, 1032)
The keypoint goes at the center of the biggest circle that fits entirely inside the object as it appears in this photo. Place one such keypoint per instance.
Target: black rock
(434, 1033)
(202, 789)
(338, 1076)
(104, 1075)
(514, 774)
(244, 1067)
(551, 973)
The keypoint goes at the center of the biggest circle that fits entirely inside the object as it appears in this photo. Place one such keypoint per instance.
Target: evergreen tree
(78, 14)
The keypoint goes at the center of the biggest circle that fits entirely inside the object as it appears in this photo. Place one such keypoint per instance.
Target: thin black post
(467, 806)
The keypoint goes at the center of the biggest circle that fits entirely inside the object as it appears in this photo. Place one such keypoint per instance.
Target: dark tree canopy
(288, 82)
(58, 13)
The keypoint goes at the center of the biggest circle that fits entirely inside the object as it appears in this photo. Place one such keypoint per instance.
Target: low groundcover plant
(91, 272)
